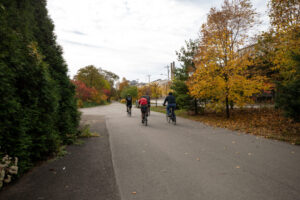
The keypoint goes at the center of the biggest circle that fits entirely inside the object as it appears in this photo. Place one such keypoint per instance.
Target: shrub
(8, 168)
(38, 108)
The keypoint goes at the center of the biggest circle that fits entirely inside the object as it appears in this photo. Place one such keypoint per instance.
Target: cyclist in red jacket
(144, 107)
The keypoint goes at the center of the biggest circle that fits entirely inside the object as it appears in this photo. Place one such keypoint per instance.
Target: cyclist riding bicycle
(128, 102)
(171, 103)
(149, 103)
(144, 107)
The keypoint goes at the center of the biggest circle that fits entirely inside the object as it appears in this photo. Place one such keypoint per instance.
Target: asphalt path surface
(162, 161)
(191, 161)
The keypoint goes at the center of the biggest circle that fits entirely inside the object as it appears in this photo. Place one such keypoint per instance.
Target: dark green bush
(38, 110)
(288, 94)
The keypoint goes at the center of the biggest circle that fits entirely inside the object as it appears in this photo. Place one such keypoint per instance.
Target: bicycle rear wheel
(129, 112)
(169, 119)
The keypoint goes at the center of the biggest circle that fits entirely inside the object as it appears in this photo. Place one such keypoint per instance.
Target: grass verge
(86, 104)
(265, 122)
(86, 132)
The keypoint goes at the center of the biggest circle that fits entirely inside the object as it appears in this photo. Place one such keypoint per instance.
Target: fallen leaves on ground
(265, 122)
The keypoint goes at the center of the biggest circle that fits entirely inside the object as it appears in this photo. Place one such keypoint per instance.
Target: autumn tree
(264, 55)
(285, 21)
(222, 75)
(82, 91)
(111, 78)
(131, 90)
(284, 14)
(124, 84)
(155, 91)
(144, 90)
(91, 76)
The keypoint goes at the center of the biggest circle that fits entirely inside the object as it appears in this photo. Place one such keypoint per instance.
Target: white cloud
(132, 38)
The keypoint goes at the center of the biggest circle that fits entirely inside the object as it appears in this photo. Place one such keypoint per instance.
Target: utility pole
(149, 78)
(172, 70)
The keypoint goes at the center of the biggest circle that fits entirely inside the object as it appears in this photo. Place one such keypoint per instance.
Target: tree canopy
(221, 75)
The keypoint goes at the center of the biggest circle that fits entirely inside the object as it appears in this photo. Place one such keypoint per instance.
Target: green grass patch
(61, 152)
(79, 142)
(90, 104)
(162, 109)
(86, 132)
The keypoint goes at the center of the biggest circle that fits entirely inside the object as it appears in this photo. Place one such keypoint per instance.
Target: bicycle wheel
(169, 119)
(129, 112)
(143, 118)
(174, 119)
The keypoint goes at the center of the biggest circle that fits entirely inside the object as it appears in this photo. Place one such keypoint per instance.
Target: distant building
(133, 83)
(164, 85)
(140, 84)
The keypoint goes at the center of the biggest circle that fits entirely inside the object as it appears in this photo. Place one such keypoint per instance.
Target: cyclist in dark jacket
(171, 102)
(128, 102)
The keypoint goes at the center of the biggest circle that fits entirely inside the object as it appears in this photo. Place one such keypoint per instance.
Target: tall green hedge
(37, 106)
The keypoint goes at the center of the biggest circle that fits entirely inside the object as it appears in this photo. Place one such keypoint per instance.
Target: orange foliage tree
(222, 76)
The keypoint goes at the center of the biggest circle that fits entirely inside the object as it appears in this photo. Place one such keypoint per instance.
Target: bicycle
(144, 116)
(145, 119)
(172, 116)
(129, 111)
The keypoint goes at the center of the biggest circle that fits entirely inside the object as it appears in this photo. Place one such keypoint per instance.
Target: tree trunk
(227, 107)
(156, 102)
(196, 106)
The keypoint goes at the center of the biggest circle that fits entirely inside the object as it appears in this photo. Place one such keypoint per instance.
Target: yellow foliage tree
(144, 90)
(123, 84)
(155, 91)
(222, 76)
(285, 21)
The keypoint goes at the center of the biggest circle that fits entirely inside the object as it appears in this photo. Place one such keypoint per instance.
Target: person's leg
(168, 109)
(173, 106)
(148, 111)
(173, 109)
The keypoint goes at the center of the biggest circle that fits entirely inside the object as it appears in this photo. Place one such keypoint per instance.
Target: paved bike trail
(188, 161)
(193, 161)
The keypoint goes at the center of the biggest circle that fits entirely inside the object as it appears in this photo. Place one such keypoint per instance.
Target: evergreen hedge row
(37, 110)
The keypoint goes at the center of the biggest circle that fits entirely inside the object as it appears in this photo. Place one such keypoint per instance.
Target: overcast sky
(132, 38)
